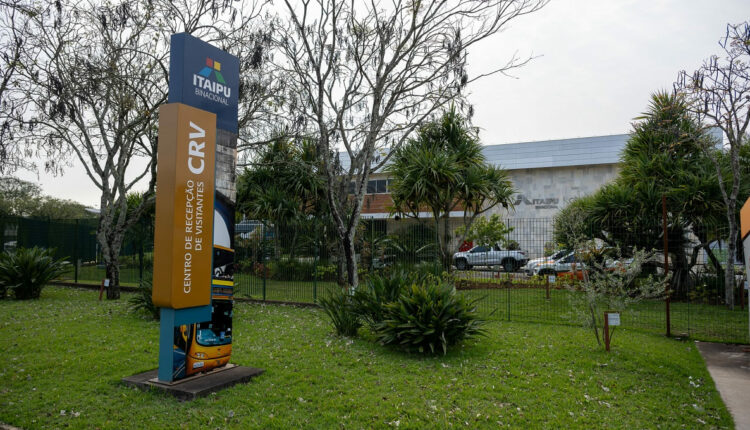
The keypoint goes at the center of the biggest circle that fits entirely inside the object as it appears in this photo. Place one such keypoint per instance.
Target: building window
(376, 186)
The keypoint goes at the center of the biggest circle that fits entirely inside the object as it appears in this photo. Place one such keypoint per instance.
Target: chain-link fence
(531, 276)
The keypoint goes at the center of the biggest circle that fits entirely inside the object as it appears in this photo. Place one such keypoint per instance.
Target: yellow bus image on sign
(183, 233)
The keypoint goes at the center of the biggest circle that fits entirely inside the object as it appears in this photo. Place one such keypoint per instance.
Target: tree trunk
(729, 269)
(716, 263)
(341, 263)
(352, 279)
(446, 242)
(113, 274)
(681, 279)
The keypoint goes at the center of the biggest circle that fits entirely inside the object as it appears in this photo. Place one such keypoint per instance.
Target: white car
(532, 264)
(562, 264)
(489, 256)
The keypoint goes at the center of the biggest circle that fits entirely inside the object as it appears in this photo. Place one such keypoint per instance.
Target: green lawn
(66, 353)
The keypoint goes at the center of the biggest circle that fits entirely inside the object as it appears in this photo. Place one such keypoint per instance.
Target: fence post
(263, 258)
(315, 268)
(547, 278)
(666, 260)
(75, 252)
(140, 262)
(508, 300)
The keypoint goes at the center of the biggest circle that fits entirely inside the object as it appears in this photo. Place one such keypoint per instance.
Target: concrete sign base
(196, 386)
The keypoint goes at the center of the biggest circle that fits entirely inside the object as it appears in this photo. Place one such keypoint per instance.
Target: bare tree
(94, 82)
(719, 94)
(14, 31)
(365, 75)
(94, 79)
(241, 31)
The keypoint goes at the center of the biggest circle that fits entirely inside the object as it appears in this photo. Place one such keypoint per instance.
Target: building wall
(543, 192)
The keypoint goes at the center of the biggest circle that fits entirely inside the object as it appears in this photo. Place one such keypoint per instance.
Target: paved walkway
(729, 366)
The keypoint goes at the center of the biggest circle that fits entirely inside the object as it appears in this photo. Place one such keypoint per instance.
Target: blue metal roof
(557, 153)
(579, 151)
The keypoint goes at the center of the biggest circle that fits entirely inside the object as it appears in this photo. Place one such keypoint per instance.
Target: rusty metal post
(606, 330)
(666, 261)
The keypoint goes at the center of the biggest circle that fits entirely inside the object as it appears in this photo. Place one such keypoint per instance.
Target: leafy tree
(663, 157)
(23, 198)
(718, 92)
(443, 169)
(18, 197)
(488, 231)
(283, 186)
(364, 77)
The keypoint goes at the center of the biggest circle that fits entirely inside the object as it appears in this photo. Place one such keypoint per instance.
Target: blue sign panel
(205, 77)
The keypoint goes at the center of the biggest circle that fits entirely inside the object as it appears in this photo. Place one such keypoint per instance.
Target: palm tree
(663, 157)
(443, 169)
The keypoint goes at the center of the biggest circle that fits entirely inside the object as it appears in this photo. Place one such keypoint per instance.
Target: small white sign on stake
(551, 279)
(614, 319)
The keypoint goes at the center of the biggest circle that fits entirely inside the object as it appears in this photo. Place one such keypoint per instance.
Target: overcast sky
(598, 62)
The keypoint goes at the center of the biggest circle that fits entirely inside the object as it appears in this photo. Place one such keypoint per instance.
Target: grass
(129, 276)
(66, 353)
(696, 320)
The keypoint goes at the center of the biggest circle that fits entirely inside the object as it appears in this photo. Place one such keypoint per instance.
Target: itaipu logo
(210, 83)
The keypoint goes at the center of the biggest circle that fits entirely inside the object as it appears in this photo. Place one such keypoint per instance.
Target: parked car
(489, 256)
(569, 266)
(532, 264)
(566, 263)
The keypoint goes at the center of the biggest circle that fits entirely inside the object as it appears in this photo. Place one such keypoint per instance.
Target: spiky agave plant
(142, 301)
(428, 317)
(26, 271)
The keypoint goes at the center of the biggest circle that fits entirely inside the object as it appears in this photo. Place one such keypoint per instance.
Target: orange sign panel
(183, 235)
(745, 219)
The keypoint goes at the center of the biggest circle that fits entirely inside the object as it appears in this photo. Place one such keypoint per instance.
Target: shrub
(291, 270)
(148, 261)
(27, 270)
(370, 298)
(428, 317)
(339, 306)
(143, 302)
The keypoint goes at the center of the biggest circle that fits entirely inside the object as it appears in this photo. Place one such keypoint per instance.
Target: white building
(546, 175)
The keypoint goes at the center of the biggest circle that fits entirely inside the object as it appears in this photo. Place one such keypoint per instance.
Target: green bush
(371, 297)
(295, 270)
(26, 271)
(428, 318)
(291, 270)
(143, 302)
(339, 306)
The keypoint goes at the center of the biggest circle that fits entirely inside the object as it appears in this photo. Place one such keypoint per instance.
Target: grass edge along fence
(297, 265)
(279, 264)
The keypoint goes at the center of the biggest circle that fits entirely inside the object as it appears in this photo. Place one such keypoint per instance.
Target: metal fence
(75, 240)
(296, 264)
